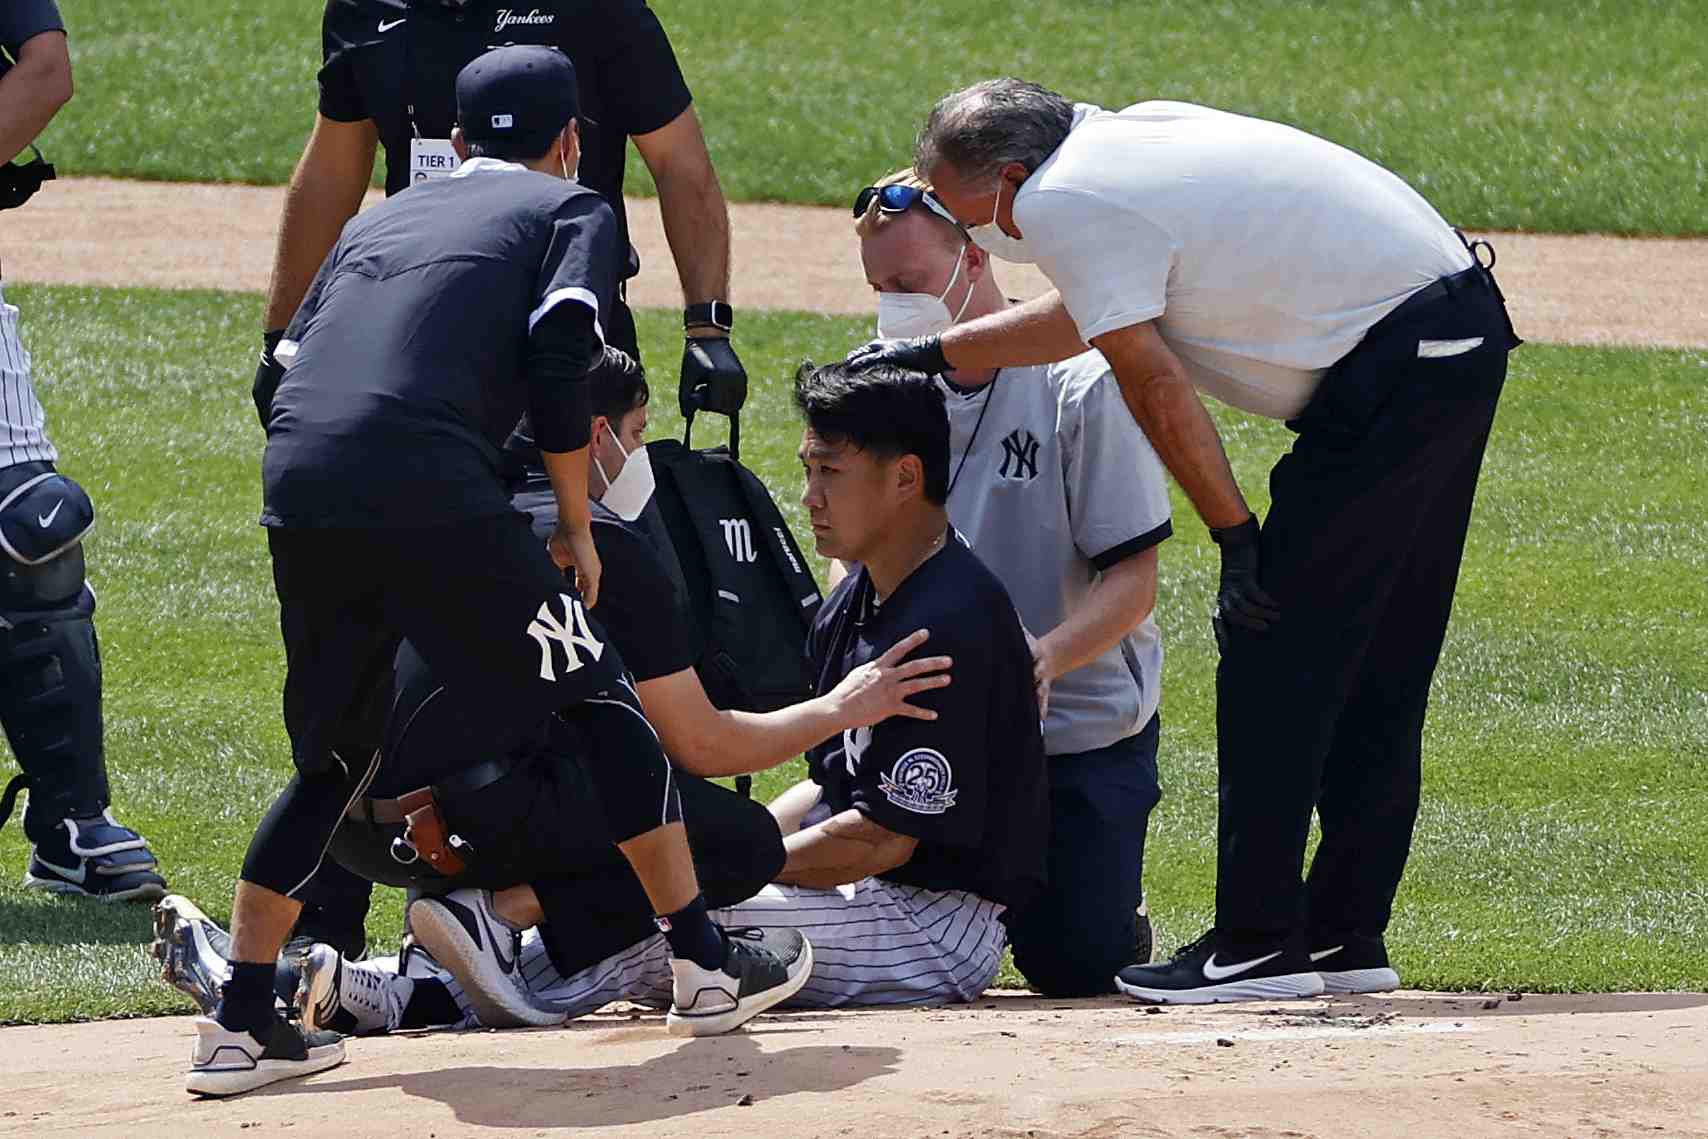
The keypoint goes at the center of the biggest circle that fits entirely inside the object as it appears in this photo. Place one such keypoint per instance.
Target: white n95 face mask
(903, 315)
(627, 494)
(990, 238)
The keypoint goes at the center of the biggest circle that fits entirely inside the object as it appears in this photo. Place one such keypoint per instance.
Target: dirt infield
(1572, 290)
(1414, 1065)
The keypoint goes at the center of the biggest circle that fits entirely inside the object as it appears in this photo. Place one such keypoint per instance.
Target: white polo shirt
(1263, 253)
(1051, 483)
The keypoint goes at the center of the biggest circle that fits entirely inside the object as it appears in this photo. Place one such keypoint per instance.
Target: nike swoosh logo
(1215, 972)
(46, 520)
(508, 964)
(388, 26)
(1321, 953)
(76, 875)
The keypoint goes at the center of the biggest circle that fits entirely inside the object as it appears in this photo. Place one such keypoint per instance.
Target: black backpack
(750, 593)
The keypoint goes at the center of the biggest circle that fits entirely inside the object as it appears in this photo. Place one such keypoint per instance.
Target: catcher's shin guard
(50, 700)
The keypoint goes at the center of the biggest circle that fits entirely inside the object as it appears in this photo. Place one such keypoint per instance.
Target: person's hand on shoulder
(878, 689)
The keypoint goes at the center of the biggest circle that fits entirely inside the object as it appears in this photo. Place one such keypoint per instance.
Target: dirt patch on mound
(100, 231)
(1413, 1064)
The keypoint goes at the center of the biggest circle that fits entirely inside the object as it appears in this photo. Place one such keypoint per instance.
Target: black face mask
(20, 180)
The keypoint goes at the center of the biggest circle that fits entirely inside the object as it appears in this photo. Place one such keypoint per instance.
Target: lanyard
(990, 394)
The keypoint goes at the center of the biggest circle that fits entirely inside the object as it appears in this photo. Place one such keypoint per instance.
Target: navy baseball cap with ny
(522, 95)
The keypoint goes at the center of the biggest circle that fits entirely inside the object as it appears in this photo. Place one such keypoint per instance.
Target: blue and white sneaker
(97, 858)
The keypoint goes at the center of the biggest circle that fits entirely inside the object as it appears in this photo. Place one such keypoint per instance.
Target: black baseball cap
(520, 94)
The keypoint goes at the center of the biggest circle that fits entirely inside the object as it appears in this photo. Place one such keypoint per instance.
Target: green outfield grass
(1564, 838)
(1525, 115)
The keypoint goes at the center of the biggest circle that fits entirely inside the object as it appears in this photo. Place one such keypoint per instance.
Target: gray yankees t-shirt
(1058, 485)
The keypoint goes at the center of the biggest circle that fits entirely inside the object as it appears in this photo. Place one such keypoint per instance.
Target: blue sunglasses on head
(898, 198)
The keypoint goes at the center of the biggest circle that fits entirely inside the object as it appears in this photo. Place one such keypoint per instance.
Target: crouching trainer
(436, 320)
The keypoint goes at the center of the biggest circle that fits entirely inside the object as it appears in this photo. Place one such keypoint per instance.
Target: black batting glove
(712, 376)
(268, 373)
(1239, 599)
(920, 354)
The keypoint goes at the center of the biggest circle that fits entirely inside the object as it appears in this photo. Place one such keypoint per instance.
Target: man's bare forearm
(1040, 331)
(325, 192)
(33, 92)
(844, 848)
(1121, 598)
(691, 203)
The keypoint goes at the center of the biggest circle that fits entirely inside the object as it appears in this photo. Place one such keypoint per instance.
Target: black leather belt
(387, 812)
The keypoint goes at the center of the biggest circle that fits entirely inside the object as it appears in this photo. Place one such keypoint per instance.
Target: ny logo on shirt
(572, 633)
(1020, 452)
(738, 536)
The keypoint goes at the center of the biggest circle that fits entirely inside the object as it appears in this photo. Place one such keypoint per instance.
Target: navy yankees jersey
(405, 364)
(969, 785)
(383, 56)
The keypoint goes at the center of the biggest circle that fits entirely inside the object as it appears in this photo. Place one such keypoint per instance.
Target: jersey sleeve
(638, 606)
(581, 263)
(1110, 264)
(22, 20)
(927, 778)
(340, 94)
(640, 79)
(1116, 489)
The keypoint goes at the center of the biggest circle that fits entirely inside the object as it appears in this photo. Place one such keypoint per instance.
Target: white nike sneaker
(350, 997)
(762, 968)
(226, 1062)
(465, 936)
(1204, 972)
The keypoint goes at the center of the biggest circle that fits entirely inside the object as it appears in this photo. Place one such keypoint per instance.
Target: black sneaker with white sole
(465, 936)
(1207, 971)
(1350, 963)
(762, 968)
(227, 1061)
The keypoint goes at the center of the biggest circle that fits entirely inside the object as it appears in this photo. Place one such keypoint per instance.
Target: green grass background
(1525, 114)
(1564, 837)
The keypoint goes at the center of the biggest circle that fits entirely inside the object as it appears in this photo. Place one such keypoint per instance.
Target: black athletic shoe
(1349, 963)
(227, 1061)
(762, 968)
(97, 858)
(1205, 972)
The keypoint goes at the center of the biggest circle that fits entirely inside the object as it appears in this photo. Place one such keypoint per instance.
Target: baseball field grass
(1564, 838)
(1527, 114)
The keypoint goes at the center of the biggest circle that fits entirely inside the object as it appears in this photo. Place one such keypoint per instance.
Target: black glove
(1239, 599)
(268, 373)
(920, 354)
(712, 377)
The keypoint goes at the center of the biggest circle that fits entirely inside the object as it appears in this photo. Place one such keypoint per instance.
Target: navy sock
(693, 935)
(246, 1001)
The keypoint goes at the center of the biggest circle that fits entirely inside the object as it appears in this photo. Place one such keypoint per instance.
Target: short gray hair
(982, 128)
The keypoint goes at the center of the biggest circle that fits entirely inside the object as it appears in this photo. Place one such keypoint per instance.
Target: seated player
(588, 901)
(912, 838)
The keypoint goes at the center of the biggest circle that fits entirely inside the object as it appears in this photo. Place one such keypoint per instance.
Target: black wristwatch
(718, 314)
